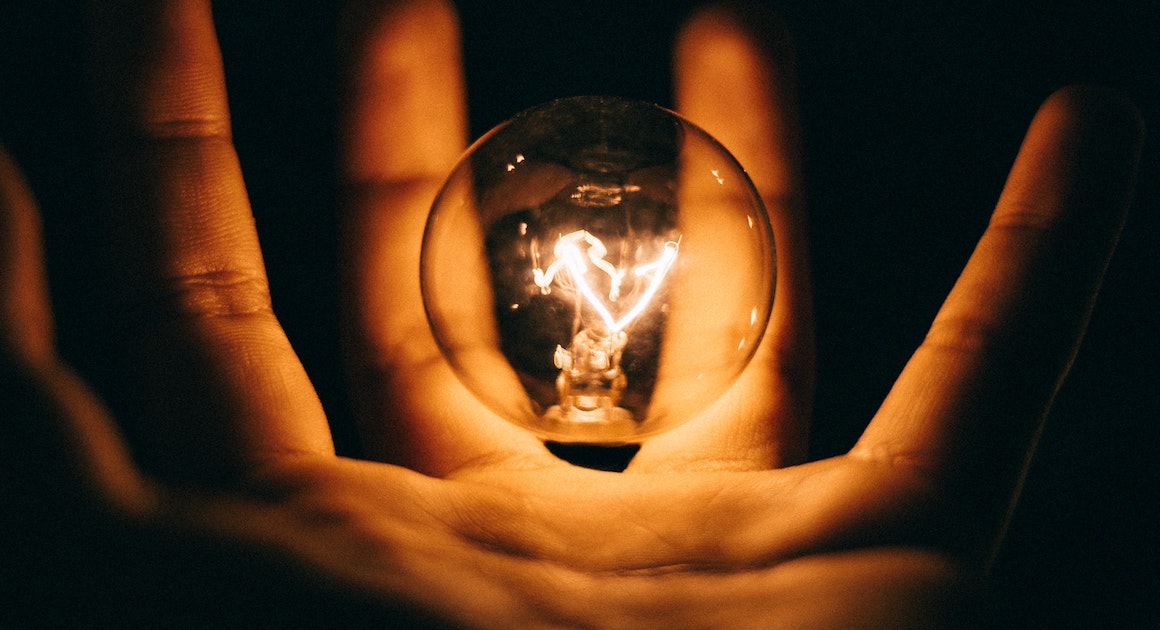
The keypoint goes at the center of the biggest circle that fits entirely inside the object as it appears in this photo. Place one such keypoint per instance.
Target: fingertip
(1095, 118)
(736, 29)
(1080, 153)
(738, 45)
(1099, 110)
(380, 31)
(1098, 120)
(405, 115)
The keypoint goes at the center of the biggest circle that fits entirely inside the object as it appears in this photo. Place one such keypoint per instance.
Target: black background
(912, 114)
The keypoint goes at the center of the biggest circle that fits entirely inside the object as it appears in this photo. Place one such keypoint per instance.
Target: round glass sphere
(597, 270)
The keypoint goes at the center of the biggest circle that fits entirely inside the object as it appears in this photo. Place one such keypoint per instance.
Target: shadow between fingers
(597, 457)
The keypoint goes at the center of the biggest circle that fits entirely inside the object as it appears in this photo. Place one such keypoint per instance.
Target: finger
(403, 129)
(734, 77)
(58, 446)
(968, 405)
(223, 386)
(24, 304)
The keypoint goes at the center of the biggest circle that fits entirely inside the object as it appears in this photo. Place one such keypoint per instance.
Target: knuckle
(963, 333)
(160, 128)
(1021, 215)
(222, 293)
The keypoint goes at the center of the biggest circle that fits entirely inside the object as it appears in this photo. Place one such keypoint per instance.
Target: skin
(465, 520)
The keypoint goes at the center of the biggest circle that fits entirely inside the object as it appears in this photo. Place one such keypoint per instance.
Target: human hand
(713, 525)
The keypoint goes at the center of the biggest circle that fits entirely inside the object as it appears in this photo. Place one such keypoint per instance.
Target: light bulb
(597, 270)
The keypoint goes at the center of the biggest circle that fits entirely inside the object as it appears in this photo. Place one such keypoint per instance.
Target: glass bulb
(597, 270)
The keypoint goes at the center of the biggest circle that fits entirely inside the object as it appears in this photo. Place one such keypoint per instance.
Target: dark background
(912, 114)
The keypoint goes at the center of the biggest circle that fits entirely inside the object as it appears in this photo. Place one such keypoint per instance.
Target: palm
(718, 523)
(567, 547)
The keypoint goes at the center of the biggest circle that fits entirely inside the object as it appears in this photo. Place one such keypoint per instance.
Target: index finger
(969, 404)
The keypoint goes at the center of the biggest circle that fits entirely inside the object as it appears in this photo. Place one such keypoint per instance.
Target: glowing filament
(570, 258)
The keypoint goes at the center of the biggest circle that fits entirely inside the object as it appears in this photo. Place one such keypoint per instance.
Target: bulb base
(602, 424)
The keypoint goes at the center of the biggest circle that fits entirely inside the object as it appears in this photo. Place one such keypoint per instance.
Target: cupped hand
(229, 503)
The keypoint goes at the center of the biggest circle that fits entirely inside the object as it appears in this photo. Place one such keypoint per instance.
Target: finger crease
(219, 293)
